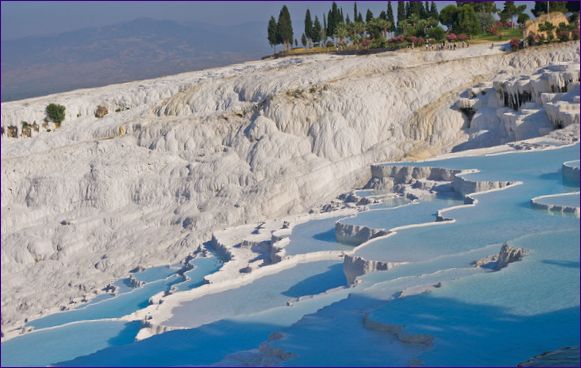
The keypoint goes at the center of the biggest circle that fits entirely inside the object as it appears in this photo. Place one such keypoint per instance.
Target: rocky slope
(178, 157)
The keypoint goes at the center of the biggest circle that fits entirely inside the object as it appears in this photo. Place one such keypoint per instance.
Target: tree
(400, 14)
(296, 43)
(334, 18)
(341, 33)
(511, 11)
(467, 21)
(390, 18)
(433, 10)
(485, 7)
(368, 16)
(487, 21)
(55, 113)
(355, 13)
(272, 33)
(449, 16)
(324, 29)
(437, 33)
(426, 10)
(304, 40)
(285, 27)
(548, 28)
(317, 36)
(383, 15)
(522, 18)
(417, 27)
(541, 7)
(376, 27)
(408, 10)
(416, 8)
(308, 25)
(572, 6)
(355, 30)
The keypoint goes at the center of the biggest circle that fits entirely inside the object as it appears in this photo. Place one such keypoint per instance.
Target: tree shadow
(200, 346)
(327, 236)
(126, 335)
(333, 277)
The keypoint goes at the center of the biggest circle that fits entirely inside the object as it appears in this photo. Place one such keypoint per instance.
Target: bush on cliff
(55, 113)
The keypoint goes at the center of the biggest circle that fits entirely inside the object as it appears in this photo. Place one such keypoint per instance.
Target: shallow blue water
(412, 213)
(503, 317)
(157, 279)
(117, 306)
(314, 236)
(499, 216)
(476, 317)
(50, 346)
(202, 267)
(266, 292)
(499, 318)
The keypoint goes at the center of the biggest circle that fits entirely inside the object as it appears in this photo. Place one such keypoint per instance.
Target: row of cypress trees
(281, 31)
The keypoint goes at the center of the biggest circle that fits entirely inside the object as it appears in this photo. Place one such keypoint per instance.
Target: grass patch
(505, 35)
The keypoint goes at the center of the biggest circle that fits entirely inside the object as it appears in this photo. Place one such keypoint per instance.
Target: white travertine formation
(570, 171)
(499, 261)
(354, 266)
(181, 156)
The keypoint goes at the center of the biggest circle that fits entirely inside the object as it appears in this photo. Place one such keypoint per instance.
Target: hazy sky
(29, 18)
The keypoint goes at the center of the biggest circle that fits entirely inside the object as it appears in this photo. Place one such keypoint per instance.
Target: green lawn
(505, 35)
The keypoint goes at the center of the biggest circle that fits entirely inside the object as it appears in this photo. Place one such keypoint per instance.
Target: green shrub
(55, 113)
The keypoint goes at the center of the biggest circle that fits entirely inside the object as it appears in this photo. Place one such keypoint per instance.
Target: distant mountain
(139, 49)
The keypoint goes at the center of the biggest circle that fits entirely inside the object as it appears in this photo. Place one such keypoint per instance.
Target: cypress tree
(408, 10)
(368, 16)
(355, 13)
(272, 33)
(316, 30)
(433, 10)
(334, 18)
(426, 10)
(416, 8)
(308, 25)
(390, 18)
(541, 6)
(330, 25)
(324, 29)
(285, 27)
(383, 15)
(347, 19)
(400, 12)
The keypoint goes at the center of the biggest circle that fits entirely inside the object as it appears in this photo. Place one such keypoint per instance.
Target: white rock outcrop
(354, 266)
(570, 172)
(498, 261)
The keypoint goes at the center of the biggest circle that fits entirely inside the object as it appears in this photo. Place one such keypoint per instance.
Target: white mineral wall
(178, 157)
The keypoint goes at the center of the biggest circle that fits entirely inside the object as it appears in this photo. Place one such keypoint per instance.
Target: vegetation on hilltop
(415, 23)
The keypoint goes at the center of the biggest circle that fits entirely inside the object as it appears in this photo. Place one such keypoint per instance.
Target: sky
(33, 18)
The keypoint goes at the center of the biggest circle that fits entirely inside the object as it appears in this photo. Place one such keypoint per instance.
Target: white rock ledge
(570, 172)
(538, 202)
(354, 266)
